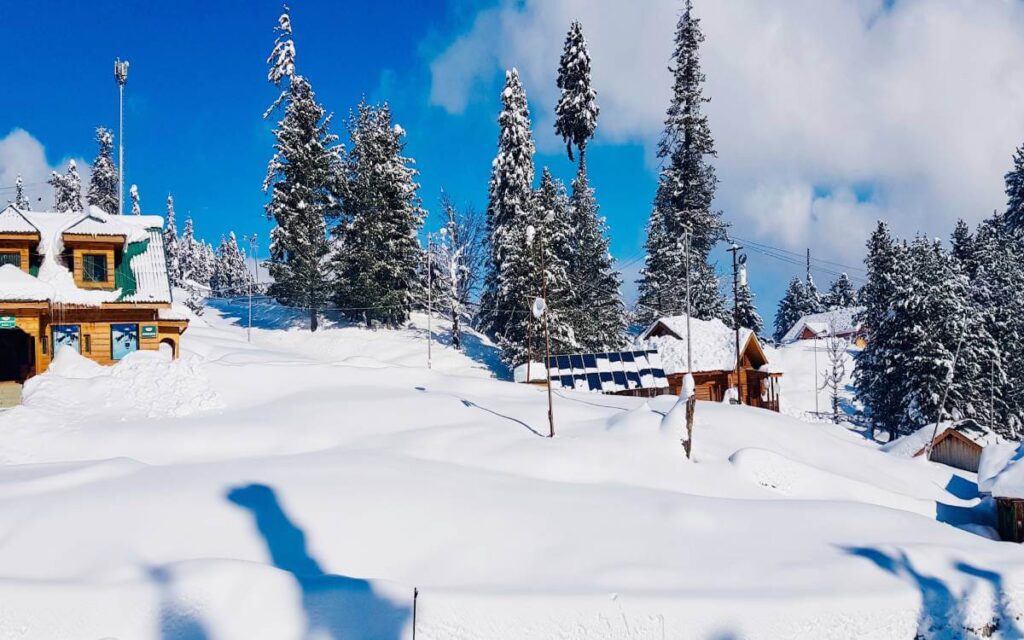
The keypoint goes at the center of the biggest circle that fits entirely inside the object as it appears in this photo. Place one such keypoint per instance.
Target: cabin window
(10, 257)
(88, 343)
(67, 335)
(124, 338)
(94, 267)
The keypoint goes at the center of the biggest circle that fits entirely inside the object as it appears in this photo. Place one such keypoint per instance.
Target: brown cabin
(105, 292)
(958, 446)
(714, 361)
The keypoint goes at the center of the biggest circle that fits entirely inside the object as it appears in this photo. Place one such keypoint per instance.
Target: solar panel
(594, 382)
(589, 361)
(577, 362)
(615, 357)
(563, 363)
(627, 356)
(608, 372)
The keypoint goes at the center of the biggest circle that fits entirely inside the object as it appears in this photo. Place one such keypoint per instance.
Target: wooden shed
(714, 361)
(959, 445)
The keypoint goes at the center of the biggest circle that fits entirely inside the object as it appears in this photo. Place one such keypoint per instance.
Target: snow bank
(994, 459)
(1008, 482)
(15, 284)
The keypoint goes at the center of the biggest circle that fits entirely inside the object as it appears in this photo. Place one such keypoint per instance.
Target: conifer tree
(792, 307)
(230, 275)
(813, 302)
(188, 255)
(302, 180)
(67, 197)
(686, 189)
(746, 312)
(171, 246)
(505, 302)
(841, 294)
(1015, 192)
(20, 200)
(379, 255)
(576, 111)
(599, 322)
(133, 193)
(103, 183)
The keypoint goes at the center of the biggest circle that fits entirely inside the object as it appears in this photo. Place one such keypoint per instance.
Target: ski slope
(302, 486)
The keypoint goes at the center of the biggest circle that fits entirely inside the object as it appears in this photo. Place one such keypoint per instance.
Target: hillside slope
(302, 486)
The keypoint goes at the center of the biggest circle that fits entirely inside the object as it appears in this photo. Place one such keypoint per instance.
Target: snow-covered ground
(803, 364)
(301, 486)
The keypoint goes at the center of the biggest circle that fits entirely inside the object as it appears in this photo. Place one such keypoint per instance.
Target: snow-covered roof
(915, 443)
(607, 372)
(1008, 482)
(844, 320)
(18, 286)
(55, 282)
(714, 344)
(994, 459)
(13, 221)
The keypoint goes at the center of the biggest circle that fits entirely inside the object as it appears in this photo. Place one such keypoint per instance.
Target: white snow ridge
(303, 485)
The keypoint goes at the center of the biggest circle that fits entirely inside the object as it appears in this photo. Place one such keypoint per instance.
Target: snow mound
(68, 363)
(994, 459)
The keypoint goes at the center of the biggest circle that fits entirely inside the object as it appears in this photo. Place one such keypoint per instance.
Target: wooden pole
(430, 303)
(691, 400)
(547, 339)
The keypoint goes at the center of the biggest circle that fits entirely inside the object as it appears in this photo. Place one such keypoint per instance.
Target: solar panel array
(608, 372)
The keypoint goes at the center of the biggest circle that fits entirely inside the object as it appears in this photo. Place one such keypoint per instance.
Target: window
(88, 343)
(66, 335)
(124, 338)
(94, 267)
(10, 257)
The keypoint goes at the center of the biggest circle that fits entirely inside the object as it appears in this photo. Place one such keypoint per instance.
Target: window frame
(106, 268)
(113, 341)
(11, 252)
(53, 336)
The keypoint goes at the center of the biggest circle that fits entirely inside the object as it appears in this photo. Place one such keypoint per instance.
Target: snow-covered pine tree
(133, 193)
(379, 256)
(813, 302)
(875, 376)
(841, 294)
(599, 322)
(171, 248)
(686, 189)
(302, 179)
(188, 255)
(1015, 193)
(231, 277)
(746, 311)
(20, 199)
(510, 201)
(992, 259)
(206, 264)
(457, 259)
(576, 111)
(67, 197)
(103, 183)
(792, 307)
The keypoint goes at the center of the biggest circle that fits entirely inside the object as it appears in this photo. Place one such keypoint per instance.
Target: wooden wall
(1010, 519)
(957, 451)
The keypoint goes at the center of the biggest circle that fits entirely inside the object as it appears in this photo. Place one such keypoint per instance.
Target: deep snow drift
(302, 486)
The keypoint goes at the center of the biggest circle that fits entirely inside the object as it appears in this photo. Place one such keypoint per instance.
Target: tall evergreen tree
(103, 183)
(67, 190)
(746, 311)
(171, 247)
(378, 255)
(841, 294)
(813, 302)
(686, 189)
(576, 111)
(20, 200)
(302, 179)
(599, 316)
(792, 307)
(230, 275)
(505, 302)
(1015, 192)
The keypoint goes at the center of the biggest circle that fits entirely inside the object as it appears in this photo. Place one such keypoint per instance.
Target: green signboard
(8, 322)
(149, 331)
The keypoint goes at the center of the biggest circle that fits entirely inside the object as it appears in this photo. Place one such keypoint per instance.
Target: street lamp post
(121, 74)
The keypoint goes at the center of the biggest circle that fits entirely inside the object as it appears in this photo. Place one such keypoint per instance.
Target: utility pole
(817, 411)
(735, 251)
(547, 328)
(430, 302)
(691, 398)
(121, 74)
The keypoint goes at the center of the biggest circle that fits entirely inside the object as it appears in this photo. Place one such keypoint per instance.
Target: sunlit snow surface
(302, 485)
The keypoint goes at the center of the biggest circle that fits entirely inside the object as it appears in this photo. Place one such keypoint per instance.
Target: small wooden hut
(959, 445)
(714, 361)
(1001, 475)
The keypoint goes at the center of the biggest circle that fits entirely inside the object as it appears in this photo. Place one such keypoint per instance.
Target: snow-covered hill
(302, 486)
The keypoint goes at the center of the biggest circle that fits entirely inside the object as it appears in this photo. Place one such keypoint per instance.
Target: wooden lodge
(89, 281)
(714, 361)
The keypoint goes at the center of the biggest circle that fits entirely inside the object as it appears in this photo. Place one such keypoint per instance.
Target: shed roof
(844, 320)
(608, 372)
(1008, 482)
(714, 344)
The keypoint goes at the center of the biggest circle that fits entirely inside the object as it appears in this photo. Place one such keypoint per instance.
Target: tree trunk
(456, 334)
(313, 320)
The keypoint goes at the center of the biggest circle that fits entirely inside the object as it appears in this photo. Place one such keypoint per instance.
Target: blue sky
(815, 141)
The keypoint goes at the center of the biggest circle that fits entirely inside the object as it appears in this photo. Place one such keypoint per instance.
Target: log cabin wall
(1010, 519)
(955, 450)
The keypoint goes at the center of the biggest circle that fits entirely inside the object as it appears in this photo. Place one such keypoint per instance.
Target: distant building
(714, 360)
(841, 323)
(88, 281)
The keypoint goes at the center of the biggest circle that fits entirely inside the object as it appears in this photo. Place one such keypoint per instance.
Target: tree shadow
(472, 405)
(1003, 620)
(335, 606)
(981, 514)
(938, 605)
(176, 623)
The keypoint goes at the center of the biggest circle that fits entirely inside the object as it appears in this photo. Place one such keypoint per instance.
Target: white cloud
(21, 153)
(922, 100)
